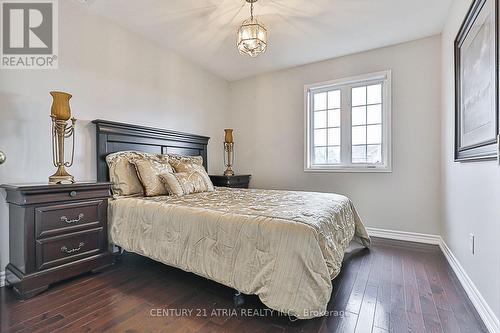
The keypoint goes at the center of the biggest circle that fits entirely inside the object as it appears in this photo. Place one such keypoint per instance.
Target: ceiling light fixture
(252, 35)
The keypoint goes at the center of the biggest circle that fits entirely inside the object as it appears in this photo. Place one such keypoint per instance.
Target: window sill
(349, 170)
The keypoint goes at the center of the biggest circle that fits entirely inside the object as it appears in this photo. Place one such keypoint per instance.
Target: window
(348, 124)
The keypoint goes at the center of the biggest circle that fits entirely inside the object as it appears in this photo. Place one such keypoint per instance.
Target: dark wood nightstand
(55, 232)
(236, 181)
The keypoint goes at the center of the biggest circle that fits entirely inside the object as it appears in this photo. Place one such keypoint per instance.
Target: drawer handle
(64, 249)
(65, 219)
(72, 194)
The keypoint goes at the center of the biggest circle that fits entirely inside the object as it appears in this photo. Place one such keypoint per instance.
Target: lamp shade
(228, 137)
(60, 109)
(252, 38)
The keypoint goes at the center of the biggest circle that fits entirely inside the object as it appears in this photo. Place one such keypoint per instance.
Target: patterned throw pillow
(190, 164)
(184, 183)
(149, 169)
(122, 173)
(175, 160)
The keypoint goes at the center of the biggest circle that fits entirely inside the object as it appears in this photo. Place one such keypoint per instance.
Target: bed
(283, 246)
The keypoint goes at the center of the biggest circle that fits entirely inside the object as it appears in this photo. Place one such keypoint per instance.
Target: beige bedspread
(283, 246)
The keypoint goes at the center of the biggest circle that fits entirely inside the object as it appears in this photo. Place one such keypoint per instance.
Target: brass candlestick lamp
(229, 152)
(61, 130)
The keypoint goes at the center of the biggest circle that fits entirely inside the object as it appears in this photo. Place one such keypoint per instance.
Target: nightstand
(55, 232)
(236, 181)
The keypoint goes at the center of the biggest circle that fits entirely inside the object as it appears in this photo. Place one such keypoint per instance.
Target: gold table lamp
(229, 152)
(61, 130)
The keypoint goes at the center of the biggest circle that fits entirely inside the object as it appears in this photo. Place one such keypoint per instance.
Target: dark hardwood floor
(393, 287)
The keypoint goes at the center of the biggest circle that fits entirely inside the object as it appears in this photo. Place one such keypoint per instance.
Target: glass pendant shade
(252, 38)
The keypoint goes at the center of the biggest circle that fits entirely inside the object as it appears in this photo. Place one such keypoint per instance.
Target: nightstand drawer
(238, 185)
(59, 250)
(237, 181)
(64, 218)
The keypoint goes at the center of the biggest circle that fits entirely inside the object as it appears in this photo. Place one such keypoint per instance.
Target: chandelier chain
(251, 11)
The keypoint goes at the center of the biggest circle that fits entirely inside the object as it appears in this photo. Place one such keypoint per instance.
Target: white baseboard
(2, 279)
(487, 315)
(485, 312)
(405, 236)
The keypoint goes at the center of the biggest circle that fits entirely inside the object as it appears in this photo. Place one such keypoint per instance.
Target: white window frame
(345, 85)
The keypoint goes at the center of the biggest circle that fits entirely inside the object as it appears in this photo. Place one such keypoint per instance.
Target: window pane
(320, 155)
(320, 101)
(359, 135)
(374, 94)
(374, 154)
(359, 96)
(334, 136)
(359, 154)
(374, 134)
(320, 137)
(334, 118)
(320, 119)
(334, 99)
(333, 155)
(374, 114)
(359, 115)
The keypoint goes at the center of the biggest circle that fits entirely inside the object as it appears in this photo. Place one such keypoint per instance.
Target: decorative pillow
(183, 183)
(175, 159)
(148, 169)
(122, 173)
(190, 164)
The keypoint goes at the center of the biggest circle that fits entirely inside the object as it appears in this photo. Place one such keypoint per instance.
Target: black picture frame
(487, 149)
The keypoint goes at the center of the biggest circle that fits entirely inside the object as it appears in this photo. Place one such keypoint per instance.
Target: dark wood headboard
(113, 137)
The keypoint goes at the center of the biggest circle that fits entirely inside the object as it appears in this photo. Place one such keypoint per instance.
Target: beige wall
(267, 113)
(113, 74)
(471, 191)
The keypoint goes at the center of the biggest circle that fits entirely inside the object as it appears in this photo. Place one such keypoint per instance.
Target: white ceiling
(300, 31)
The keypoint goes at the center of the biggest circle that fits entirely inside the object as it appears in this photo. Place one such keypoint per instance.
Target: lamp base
(61, 176)
(229, 172)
